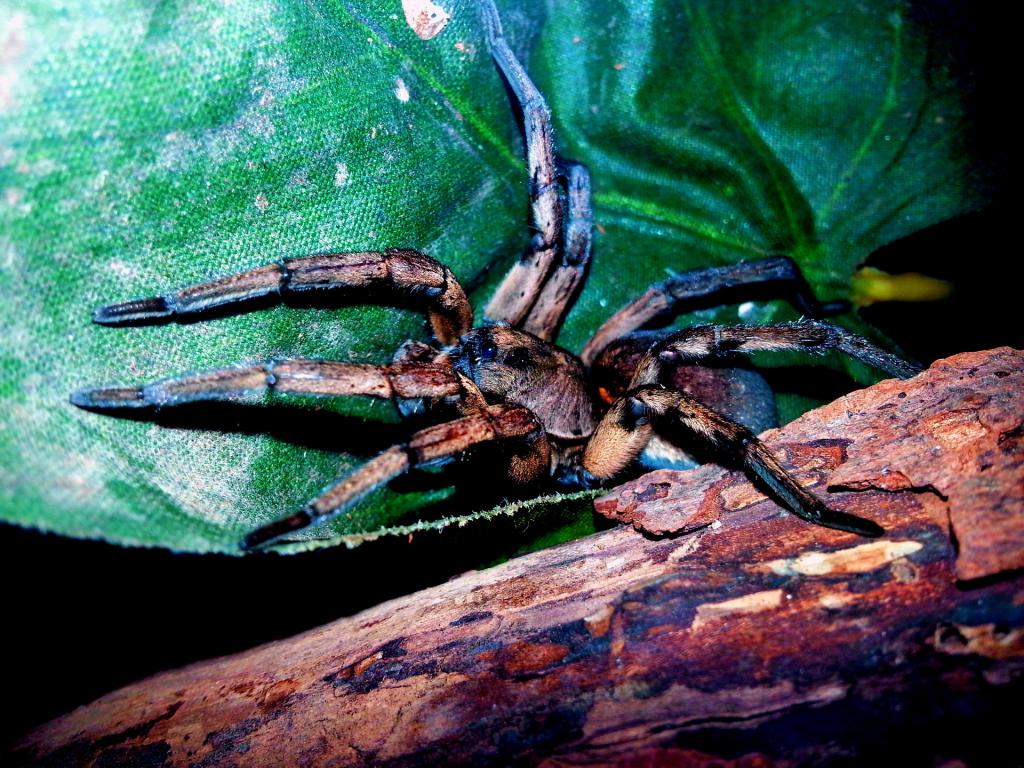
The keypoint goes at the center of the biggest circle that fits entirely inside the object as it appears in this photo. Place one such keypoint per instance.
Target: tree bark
(714, 628)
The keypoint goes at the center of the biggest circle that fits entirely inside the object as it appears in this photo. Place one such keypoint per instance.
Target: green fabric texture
(145, 146)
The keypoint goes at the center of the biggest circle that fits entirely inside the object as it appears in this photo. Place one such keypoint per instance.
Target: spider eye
(488, 351)
(518, 357)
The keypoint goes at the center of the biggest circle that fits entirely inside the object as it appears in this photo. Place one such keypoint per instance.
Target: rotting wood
(756, 639)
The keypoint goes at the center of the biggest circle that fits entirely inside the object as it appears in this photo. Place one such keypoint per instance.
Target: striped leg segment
(404, 272)
(812, 336)
(665, 298)
(517, 293)
(498, 422)
(295, 376)
(548, 313)
(631, 422)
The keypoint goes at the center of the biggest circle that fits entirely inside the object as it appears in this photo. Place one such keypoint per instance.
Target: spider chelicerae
(581, 421)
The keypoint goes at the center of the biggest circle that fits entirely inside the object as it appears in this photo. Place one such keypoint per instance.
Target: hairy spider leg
(413, 351)
(497, 422)
(630, 424)
(286, 376)
(519, 290)
(401, 271)
(664, 298)
(632, 421)
(556, 296)
(813, 336)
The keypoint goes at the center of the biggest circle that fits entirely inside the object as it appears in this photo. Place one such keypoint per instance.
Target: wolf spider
(506, 382)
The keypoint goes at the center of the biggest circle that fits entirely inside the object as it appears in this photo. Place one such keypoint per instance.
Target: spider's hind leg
(649, 411)
(634, 420)
(730, 386)
(811, 336)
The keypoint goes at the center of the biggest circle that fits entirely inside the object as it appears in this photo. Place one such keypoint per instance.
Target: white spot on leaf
(12, 43)
(8, 255)
(425, 18)
(340, 175)
(122, 269)
(401, 90)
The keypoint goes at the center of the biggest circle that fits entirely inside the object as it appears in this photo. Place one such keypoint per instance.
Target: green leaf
(148, 146)
(145, 146)
(723, 131)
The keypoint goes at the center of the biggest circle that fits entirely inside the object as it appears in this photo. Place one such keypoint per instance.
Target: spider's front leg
(528, 458)
(293, 376)
(395, 272)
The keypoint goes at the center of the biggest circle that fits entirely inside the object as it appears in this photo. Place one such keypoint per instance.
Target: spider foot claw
(843, 521)
(108, 398)
(151, 309)
(275, 530)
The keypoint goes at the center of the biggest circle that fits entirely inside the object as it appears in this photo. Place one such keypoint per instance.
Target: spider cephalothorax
(515, 366)
(577, 420)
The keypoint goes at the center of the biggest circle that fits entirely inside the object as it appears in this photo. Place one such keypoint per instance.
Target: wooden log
(756, 639)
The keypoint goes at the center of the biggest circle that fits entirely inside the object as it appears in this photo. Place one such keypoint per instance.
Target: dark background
(83, 618)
